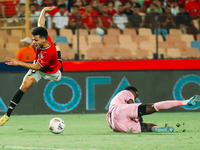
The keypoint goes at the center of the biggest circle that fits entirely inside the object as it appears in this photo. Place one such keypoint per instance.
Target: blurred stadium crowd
(108, 29)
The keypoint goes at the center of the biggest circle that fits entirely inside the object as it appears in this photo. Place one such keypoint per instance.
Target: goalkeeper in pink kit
(125, 115)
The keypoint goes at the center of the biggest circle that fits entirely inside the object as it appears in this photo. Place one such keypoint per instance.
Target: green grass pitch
(90, 131)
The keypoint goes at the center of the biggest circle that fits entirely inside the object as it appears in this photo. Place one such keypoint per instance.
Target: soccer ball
(56, 125)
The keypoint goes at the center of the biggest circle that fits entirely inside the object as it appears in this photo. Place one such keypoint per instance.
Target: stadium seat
(13, 39)
(65, 49)
(52, 33)
(94, 52)
(139, 38)
(142, 54)
(111, 52)
(82, 32)
(150, 46)
(198, 37)
(165, 45)
(161, 51)
(124, 54)
(192, 53)
(61, 39)
(68, 33)
(3, 40)
(182, 45)
(187, 38)
(195, 44)
(133, 47)
(173, 53)
(128, 31)
(18, 32)
(175, 32)
(145, 31)
(82, 40)
(12, 48)
(94, 39)
(125, 39)
(173, 38)
(153, 38)
(112, 31)
(110, 39)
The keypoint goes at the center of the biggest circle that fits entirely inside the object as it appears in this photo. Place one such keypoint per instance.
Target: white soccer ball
(56, 125)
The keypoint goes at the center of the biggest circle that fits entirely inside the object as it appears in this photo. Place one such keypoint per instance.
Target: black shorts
(142, 110)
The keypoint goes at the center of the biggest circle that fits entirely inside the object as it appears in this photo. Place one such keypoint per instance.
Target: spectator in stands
(74, 19)
(51, 3)
(157, 5)
(22, 10)
(117, 3)
(27, 53)
(151, 18)
(120, 19)
(111, 10)
(80, 4)
(193, 8)
(135, 4)
(128, 8)
(105, 18)
(184, 22)
(89, 19)
(33, 15)
(8, 8)
(95, 7)
(146, 4)
(183, 19)
(135, 20)
(60, 19)
(174, 7)
(167, 21)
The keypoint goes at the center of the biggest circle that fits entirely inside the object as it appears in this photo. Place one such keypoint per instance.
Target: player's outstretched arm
(41, 20)
(15, 62)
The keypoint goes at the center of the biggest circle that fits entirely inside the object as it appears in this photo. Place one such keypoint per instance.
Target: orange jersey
(26, 54)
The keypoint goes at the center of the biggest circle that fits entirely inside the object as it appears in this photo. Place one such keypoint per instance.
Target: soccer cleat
(193, 100)
(163, 129)
(3, 120)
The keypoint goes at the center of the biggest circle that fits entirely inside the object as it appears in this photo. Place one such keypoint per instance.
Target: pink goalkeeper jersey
(121, 98)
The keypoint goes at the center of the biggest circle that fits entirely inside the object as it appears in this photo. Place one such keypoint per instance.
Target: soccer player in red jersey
(46, 65)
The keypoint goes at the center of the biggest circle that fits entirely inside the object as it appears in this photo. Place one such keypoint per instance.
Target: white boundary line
(36, 148)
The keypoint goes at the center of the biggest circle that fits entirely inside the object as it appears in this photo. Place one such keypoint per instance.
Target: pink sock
(167, 104)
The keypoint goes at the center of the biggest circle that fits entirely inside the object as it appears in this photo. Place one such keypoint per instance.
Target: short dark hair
(61, 6)
(41, 31)
(131, 88)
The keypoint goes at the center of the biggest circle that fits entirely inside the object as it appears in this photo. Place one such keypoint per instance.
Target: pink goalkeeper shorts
(123, 118)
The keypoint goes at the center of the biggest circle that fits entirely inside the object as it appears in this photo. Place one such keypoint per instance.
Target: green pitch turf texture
(90, 131)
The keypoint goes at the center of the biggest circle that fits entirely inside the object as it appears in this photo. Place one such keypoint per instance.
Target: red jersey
(10, 7)
(47, 58)
(89, 19)
(192, 8)
(106, 21)
(112, 13)
(82, 10)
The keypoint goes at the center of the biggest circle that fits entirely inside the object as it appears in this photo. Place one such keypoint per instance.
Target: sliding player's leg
(146, 109)
(30, 79)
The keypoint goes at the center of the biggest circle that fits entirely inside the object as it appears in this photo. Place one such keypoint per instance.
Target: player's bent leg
(27, 83)
(145, 109)
(163, 129)
(4, 119)
(193, 100)
(147, 127)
